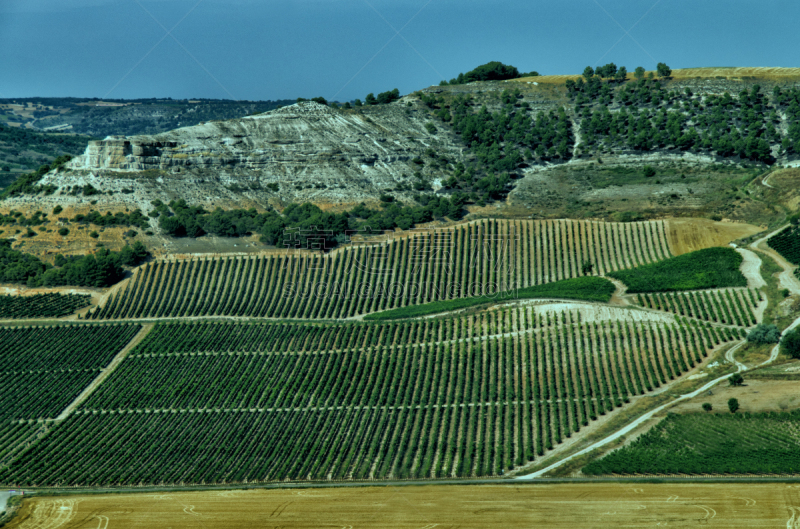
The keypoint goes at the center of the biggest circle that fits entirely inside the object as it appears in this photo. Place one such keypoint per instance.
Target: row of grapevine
(176, 411)
(61, 347)
(477, 258)
(50, 305)
(43, 369)
(16, 436)
(787, 243)
(710, 443)
(178, 378)
(728, 306)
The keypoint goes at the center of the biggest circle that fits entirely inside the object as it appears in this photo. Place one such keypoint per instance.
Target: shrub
(648, 171)
(94, 235)
(431, 128)
(63, 232)
(791, 343)
(57, 210)
(736, 379)
(763, 333)
(707, 407)
(733, 405)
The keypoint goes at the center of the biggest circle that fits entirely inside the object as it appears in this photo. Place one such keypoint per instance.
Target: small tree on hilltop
(638, 73)
(736, 379)
(791, 343)
(663, 70)
(707, 407)
(588, 72)
(733, 405)
(621, 74)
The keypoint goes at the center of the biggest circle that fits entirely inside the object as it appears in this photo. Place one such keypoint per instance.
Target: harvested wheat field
(689, 235)
(507, 506)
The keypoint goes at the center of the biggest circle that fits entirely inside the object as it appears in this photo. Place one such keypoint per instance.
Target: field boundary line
(104, 373)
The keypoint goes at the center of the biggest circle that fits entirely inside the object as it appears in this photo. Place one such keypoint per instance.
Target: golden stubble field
(589, 505)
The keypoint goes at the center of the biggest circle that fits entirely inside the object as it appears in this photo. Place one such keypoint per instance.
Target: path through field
(638, 422)
(751, 268)
(511, 505)
(786, 278)
(105, 372)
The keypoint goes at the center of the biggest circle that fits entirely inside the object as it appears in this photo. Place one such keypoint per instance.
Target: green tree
(791, 343)
(763, 333)
(357, 103)
(638, 73)
(63, 232)
(733, 405)
(648, 171)
(663, 70)
(707, 407)
(588, 72)
(587, 268)
(736, 379)
(57, 210)
(621, 74)
(370, 99)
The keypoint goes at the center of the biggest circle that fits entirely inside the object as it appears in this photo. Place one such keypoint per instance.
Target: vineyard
(42, 305)
(709, 268)
(470, 396)
(757, 443)
(787, 243)
(728, 306)
(475, 259)
(44, 368)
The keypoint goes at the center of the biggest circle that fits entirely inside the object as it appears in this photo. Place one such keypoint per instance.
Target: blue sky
(343, 49)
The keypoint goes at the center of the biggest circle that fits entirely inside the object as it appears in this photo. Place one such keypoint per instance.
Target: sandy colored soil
(689, 235)
(599, 505)
(755, 396)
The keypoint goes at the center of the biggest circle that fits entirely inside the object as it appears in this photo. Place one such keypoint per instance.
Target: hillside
(540, 148)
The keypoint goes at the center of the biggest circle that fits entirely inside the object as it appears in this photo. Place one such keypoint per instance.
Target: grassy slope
(582, 288)
(709, 268)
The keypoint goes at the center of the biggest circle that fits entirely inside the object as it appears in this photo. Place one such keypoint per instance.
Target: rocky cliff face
(305, 151)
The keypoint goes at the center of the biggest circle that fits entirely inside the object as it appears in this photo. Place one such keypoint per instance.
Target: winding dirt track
(786, 278)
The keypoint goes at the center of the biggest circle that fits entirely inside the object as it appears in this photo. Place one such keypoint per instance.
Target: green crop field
(471, 396)
(730, 306)
(709, 268)
(42, 305)
(470, 260)
(745, 443)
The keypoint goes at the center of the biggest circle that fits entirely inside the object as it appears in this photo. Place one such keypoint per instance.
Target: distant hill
(101, 118)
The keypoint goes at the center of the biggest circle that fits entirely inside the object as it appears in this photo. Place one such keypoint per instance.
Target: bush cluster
(763, 333)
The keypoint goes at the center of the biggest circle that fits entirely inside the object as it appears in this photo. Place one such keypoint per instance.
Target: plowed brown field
(598, 505)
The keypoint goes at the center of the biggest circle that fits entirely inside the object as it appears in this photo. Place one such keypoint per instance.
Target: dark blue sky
(343, 49)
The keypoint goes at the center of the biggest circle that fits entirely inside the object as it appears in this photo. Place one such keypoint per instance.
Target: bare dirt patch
(444, 507)
(755, 396)
(689, 235)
